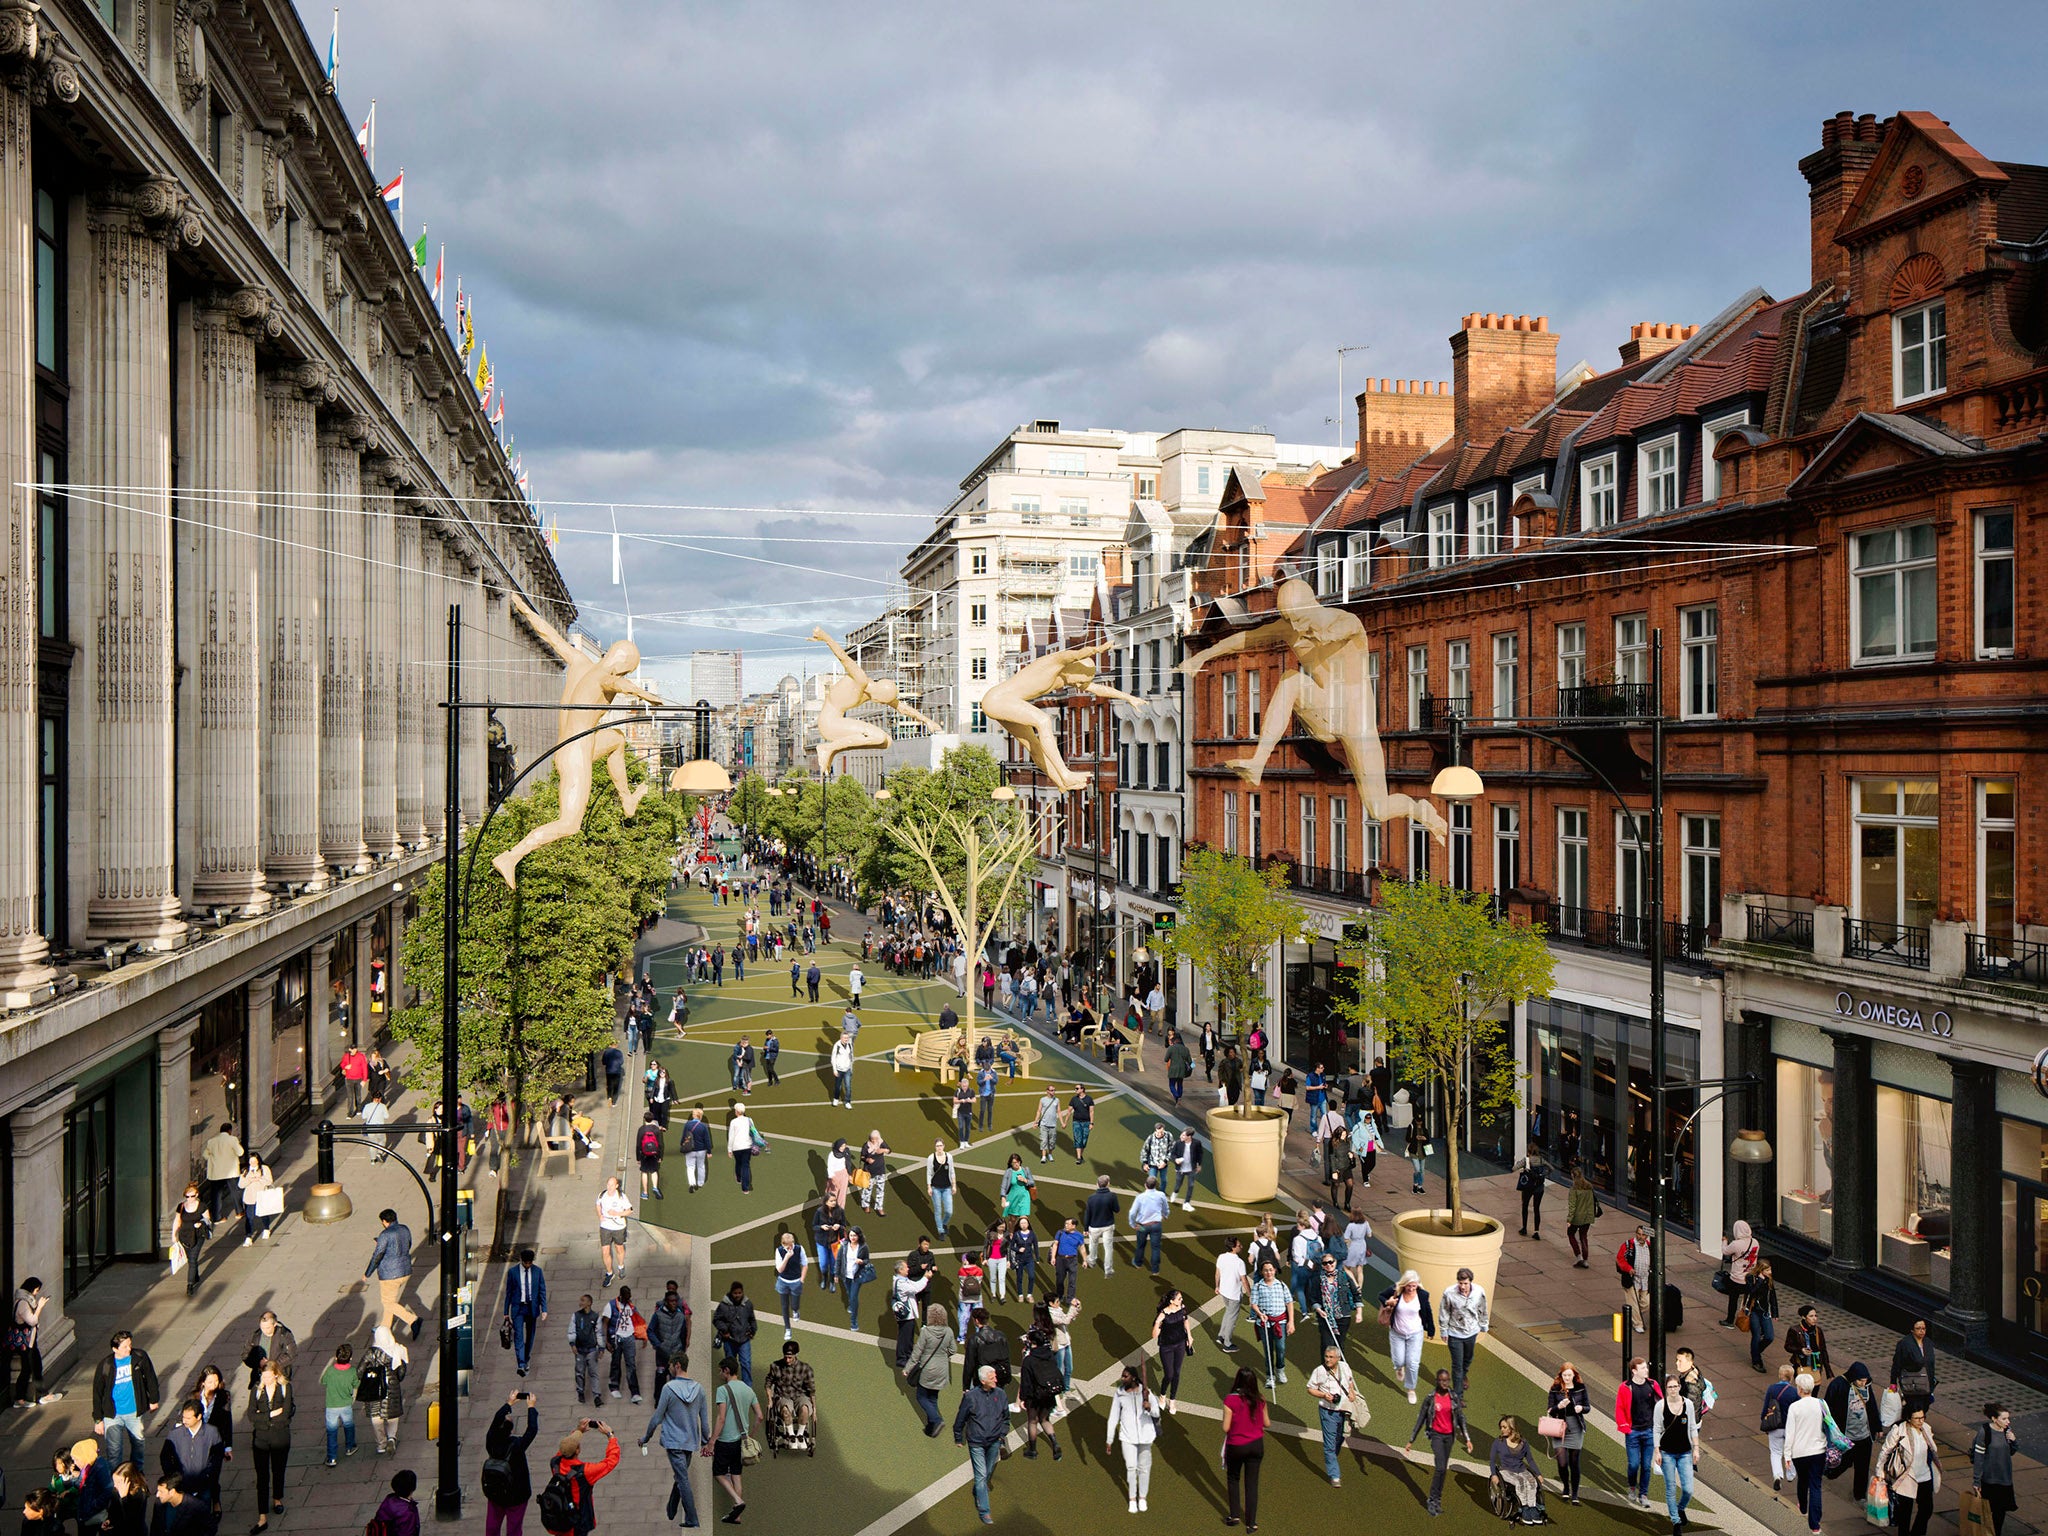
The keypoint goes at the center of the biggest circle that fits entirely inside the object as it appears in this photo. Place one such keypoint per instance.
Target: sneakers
(1141, 1506)
(49, 1397)
(330, 1461)
(1411, 1397)
(1134, 1506)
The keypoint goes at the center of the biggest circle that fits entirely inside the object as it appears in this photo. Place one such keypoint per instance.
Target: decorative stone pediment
(1922, 163)
(1873, 442)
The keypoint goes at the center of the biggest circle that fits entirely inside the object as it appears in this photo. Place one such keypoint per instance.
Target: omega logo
(1898, 1016)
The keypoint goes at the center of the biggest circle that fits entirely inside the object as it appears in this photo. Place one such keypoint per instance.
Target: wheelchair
(796, 1437)
(1508, 1505)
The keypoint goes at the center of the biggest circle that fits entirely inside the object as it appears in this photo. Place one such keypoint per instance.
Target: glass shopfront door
(2026, 1285)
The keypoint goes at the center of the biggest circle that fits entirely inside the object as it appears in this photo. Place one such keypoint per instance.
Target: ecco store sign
(1897, 1015)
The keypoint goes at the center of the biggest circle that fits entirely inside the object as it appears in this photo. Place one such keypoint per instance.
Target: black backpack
(586, 1329)
(560, 1500)
(497, 1479)
(992, 1347)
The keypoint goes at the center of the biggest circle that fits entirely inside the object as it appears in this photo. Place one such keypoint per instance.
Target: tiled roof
(2023, 205)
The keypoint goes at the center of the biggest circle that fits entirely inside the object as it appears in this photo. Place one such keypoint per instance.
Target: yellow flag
(483, 371)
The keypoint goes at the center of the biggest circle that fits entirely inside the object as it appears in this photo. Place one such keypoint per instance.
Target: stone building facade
(246, 482)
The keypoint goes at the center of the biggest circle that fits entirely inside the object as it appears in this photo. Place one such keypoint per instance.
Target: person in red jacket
(568, 1460)
(1635, 1415)
(355, 1072)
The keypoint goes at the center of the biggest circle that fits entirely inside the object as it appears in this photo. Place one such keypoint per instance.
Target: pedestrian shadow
(1194, 1468)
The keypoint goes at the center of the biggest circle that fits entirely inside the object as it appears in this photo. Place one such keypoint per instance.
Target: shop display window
(1913, 1186)
(1805, 1151)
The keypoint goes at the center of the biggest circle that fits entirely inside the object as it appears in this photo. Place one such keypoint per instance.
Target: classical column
(259, 1076)
(25, 975)
(366, 1023)
(411, 679)
(394, 965)
(380, 657)
(224, 562)
(341, 674)
(291, 602)
(1855, 1162)
(37, 1131)
(173, 1121)
(126, 650)
(320, 1064)
(1977, 1243)
(433, 647)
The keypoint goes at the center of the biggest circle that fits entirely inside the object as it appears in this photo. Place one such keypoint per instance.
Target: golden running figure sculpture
(588, 689)
(837, 731)
(1009, 705)
(1329, 696)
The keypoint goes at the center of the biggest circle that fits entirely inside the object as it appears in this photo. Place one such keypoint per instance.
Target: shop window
(215, 1092)
(289, 1020)
(1898, 842)
(1805, 1146)
(1913, 1185)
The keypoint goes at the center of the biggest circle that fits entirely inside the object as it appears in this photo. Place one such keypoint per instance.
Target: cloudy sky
(822, 257)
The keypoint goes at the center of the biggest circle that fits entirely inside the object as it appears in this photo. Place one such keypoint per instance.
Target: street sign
(1163, 922)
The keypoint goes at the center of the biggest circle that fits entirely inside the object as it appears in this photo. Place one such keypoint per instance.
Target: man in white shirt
(1230, 1288)
(1155, 1010)
(1338, 1399)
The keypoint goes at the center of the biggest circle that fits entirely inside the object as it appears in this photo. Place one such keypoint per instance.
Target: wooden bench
(931, 1050)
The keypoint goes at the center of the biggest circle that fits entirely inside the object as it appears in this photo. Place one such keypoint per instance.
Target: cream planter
(1246, 1153)
(1437, 1256)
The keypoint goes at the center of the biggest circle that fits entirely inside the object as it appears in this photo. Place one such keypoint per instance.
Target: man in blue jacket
(684, 1420)
(526, 1304)
(391, 1264)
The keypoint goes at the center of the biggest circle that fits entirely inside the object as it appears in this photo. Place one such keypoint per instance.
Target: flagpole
(373, 135)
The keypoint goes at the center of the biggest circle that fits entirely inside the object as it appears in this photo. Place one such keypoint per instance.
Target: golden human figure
(588, 689)
(838, 731)
(1009, 705)
(1330, 697)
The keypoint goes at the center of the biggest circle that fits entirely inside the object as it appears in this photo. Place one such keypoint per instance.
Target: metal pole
(1659, 1197)
(448, 1496)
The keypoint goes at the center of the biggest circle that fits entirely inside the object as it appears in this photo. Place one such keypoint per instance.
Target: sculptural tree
(990, 851)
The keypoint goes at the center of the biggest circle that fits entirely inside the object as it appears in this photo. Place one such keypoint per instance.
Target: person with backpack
(399, 1514)
(683, 1419)
(742, 1141)
(986, 1344)
(1738, 1258)
(736, 1415)
(625, 1328)
(586, 1339)
(694, 1141)
(567, 1504)
(647, 1148)
(668, 1330)
(382, 1386)
(507, 1481)
(1529, 1184)
(1991, 1464)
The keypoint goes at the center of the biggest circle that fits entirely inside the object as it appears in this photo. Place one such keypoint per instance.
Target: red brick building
(1828, 507)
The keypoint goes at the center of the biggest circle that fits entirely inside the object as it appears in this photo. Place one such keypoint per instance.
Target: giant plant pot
(1436, 1254)
(1246, 1153)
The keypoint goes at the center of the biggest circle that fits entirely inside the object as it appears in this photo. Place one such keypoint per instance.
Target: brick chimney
(1399, 420)
(1649, 339)
(1503, 371)
(1848, 144)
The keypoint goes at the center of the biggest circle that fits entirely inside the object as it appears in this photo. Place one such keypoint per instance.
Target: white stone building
(256, 481)
(715, 677)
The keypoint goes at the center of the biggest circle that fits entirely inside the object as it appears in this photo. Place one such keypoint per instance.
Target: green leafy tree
(1231, 914)
(750, 804)
(535, 963)
(1433, 969)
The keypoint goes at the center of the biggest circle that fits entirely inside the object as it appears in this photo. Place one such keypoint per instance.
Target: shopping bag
(177, 1258)
(1973, 1513)
(1877, 1503)
(270, 1202)
(1890, 1407)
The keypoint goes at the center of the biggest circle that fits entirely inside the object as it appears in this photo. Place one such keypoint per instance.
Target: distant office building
(715, 675)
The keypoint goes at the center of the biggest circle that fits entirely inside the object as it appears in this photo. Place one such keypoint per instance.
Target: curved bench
(931, 1050)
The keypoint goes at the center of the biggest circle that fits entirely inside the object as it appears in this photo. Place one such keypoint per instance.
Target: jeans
(1299, 1278)
(842, 1086)
(626, 1359)
(825, 1266)
(341, 1422)
(1532, 1210)
(1441, 1445)
(998, 1277)
(792, 1294)
(983, 1459)
(852, 1288)
(988, 1110)
(694, 1167)
(523, 1318)
(126, 1428)
(1461, 1359)
(1064, 1358)
(1081, 1130)
(1174, 1086)
(1405, 1350)
(942, 1207)
(1148, 1233)
(1333, 1439)
(928, 1405)
(252, 1224)
(743, 1354)
(1581, 1249)
(1810, 1471)
(1677, 1484)
(1027, 1274)
(679, 1464)
(1641, 1452)
(1763, 1328)
(1100, 1241)
(1183, 1184)
(743, 1170)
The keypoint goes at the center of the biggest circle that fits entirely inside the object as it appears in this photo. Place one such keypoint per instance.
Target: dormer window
(1657, 477)
(1485, 513)
(1599, 498)
(1357, 562)
(1443, 535)
(1710, 439)
(1326, 571)
(1920, 352)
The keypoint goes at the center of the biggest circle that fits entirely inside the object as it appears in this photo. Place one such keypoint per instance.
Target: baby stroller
(1509, 1506)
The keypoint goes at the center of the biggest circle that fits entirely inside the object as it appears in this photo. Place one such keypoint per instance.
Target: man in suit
(526, 1304)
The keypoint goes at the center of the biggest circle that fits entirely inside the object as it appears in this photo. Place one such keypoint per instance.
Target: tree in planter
(1434, 965)
(1231, 914)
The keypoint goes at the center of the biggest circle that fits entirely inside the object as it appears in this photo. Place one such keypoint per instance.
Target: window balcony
(1780, 925)
(1345, 884)
(1624, 932)
(1439, 710)
(1892, 943)
(1991, 958)
(1597, 703)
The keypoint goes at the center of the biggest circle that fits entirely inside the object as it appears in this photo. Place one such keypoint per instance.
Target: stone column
(1855, 1162)
(225, 564)
(26, 977)
(323, 1057)
(434, 682)
(341, 673)
(380, 661)
(125, 654)
(411, 677)
(394, 963)
(1977, 1243)
(173, 1120)
(292, 602)
(37, 1132)
(367, 1023)
(259, 1076)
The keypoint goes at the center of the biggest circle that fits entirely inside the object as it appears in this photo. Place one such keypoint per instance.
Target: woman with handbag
(1760, 1308)
(856, 1269)
(1564, 1425)
(382, 1386)
(1913, 1367)
(1406, 1315)
(872, 1179)
(1911, 1464)
(1854, 1408)
(270, 1436)
(838, 1171)
(256, 1181)
(1581, 1210)
(1018, 1188)
(1738, 1257)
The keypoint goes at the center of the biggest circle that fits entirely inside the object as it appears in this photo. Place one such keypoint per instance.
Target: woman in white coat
(1911, 1463)
(1134, 1415)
